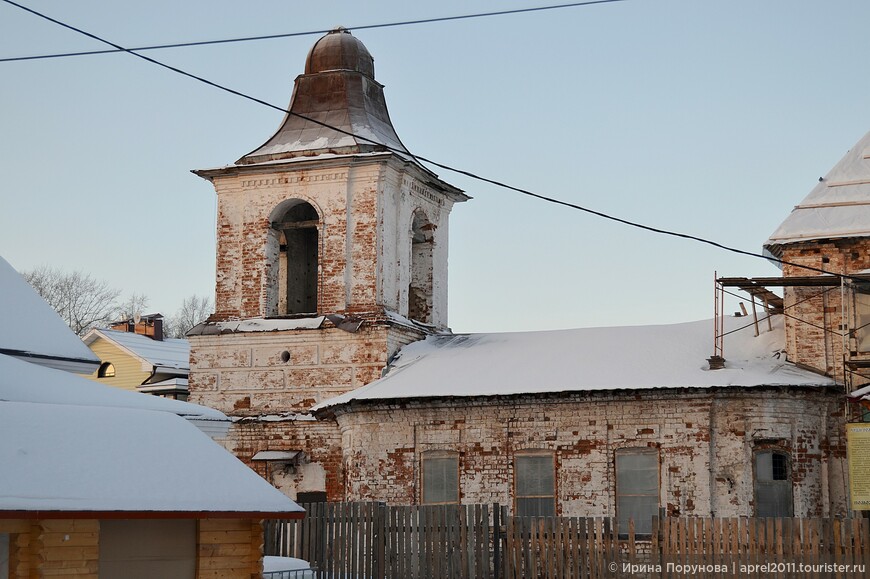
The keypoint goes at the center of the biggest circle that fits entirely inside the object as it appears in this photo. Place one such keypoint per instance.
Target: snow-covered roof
(257, 325)
(31, 330)
(587, 359)
(24, 382)
(839, 206)
(95, 459)
(170, 353)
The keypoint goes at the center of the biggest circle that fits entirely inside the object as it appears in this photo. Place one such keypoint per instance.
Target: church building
(330, 349)
(331, 255)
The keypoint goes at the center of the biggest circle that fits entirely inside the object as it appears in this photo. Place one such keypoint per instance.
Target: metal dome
(339, 50)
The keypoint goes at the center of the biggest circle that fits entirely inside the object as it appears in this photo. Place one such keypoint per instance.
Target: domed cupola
(340, 50)
(338, 90)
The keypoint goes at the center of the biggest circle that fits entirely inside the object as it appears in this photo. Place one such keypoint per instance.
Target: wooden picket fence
(372, 540)
(744, 547)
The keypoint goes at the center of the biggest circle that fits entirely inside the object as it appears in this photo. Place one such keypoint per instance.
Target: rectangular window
(535, 485)
(440, 477)
(637, 489)
(772, 485)
(861, 329)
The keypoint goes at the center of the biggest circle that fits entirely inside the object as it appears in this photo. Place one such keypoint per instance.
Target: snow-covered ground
(286, 568)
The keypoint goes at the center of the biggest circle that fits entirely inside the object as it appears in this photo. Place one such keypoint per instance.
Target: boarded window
(535, 484)
(440, 477)
(145, 549)
(773, 492)
(637, 488)
(862, 317)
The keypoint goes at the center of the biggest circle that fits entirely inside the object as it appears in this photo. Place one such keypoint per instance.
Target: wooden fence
(371, 540)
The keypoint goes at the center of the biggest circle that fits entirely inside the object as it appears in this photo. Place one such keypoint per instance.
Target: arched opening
(107, 370)
(298, 251)
(420, 286)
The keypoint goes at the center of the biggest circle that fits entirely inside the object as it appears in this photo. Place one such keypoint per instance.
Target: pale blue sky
(712, 118)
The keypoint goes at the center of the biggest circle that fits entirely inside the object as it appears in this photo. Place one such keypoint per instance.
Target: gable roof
(31, 330)
(839, 206)
(170, 353)
(587, 359)
(95, 461)
(24, 382)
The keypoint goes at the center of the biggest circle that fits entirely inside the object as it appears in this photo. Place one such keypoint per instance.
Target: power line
(308, 33)
(435, 163)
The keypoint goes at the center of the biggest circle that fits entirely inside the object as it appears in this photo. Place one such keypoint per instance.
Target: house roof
(30, 329)
(170, 353)
(24, 382)
(62, 461)
(587, 359)
(839, 206)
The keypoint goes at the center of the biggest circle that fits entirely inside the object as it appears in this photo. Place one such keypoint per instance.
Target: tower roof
(337, 89)
(838, 207)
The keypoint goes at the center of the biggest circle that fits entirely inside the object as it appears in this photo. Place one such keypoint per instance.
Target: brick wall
(705, 441)
(814, 325)
(267, 381)
(365, 207)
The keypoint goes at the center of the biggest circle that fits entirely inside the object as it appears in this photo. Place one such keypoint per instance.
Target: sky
(709, 118)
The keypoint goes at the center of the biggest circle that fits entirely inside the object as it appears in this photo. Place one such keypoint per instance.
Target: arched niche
(295, 251)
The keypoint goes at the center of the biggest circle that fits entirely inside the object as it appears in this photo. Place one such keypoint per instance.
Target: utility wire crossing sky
(587, 147)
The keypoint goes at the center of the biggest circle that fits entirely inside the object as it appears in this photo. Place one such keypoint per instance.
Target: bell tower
(331, 255)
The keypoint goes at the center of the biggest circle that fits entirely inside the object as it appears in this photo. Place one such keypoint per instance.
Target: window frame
(517, 497)
(640, 528)
(787, 482)
(106, 370)
(432, 455)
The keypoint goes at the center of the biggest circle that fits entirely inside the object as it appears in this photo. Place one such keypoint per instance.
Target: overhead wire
(422, 159)
(311, 32)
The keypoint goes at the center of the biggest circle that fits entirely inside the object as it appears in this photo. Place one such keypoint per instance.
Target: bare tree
(135, 304)
(194, 309)
(81, 300)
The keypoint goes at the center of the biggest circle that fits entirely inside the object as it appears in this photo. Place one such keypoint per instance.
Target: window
(772, 485)
(107, 370)
(862, 317)
(420, 286)
(637, 488)
(440, 477)
(298, 252)
(535, 484)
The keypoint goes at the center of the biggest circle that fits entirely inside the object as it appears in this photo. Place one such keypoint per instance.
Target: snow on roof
(31, 329)
(839, 206)
(257, 325)
(672, 356)
(167, 353)
(23, 382)
(98, 459)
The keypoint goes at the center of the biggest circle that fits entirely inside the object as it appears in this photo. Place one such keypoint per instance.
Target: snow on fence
(372, 540)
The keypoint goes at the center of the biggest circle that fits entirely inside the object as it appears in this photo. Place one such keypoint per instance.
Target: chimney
(158, 329)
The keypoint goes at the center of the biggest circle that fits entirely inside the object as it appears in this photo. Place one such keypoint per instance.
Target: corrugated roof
(587, 359)
(167, 353)
(839, 206)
